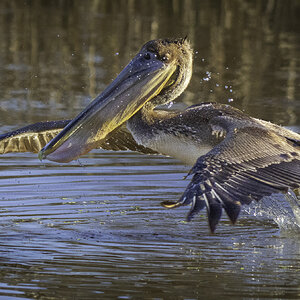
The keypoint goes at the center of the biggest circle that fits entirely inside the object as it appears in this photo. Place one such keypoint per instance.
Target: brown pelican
(235, 158)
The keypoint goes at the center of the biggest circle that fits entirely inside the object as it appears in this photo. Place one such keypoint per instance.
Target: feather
(34, 137)
(255, 159)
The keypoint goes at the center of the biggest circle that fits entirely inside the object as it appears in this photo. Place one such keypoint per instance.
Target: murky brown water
(96, 230)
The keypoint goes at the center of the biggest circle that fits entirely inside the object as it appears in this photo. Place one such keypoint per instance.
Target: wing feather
(31, 138)
(34, 137)
(255, 159)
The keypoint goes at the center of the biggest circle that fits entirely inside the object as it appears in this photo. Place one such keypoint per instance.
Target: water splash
(284, 210)
(294, 202)
(208, 76)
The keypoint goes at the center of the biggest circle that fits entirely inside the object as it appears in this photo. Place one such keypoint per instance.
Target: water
(95, 228)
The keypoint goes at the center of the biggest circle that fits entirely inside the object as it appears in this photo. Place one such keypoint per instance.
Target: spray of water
(284, 210)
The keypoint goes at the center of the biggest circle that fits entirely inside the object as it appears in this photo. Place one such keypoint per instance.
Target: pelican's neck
(145, 117)
(171, 133)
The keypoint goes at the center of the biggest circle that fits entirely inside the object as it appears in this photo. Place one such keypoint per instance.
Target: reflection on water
(96, 229)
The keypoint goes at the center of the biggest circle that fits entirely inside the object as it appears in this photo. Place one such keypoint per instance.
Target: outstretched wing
(34, 137)
(31, 138)
(253, 161)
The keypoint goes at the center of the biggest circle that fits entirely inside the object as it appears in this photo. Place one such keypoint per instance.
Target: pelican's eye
(149, 55)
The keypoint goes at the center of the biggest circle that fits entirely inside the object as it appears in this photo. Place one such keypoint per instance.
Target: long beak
(140, 81)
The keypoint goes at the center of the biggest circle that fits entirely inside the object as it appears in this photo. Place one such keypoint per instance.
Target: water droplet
(170, 104)
(208, 76)
(230, 100)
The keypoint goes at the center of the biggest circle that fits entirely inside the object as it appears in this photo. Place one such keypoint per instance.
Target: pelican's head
(157, 74)
(177, 52)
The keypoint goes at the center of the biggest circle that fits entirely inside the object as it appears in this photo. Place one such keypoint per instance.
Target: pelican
(235, 158)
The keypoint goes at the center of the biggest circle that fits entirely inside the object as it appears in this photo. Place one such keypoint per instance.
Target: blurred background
(55, 56)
